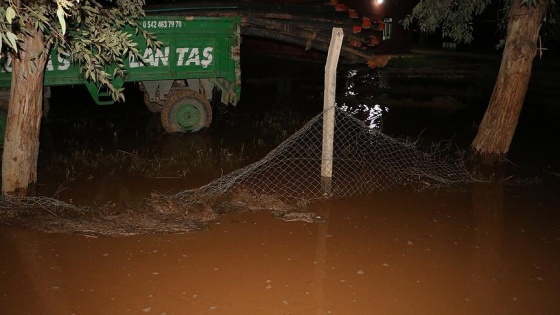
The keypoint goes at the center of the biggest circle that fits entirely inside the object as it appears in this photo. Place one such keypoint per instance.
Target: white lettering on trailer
(186, 56)
(194, 56)
(154, 59)
(208, 57)
(181, 55)
(63, 63)
(151, 58)
(133, 63)
(50, 66)
(162, 24)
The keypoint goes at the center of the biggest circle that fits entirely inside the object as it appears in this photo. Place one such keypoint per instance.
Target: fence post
(329, 110)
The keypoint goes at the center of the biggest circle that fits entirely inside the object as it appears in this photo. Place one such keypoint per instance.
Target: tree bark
(497, 128)
(21, 145)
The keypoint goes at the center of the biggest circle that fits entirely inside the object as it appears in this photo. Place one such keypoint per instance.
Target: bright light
(379, 1)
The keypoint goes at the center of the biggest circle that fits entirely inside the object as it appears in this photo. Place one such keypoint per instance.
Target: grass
(92, 164)
(99, 150)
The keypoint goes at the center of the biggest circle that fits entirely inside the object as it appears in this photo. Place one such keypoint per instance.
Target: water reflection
(370, 115)
(352, 102)
(356, 78)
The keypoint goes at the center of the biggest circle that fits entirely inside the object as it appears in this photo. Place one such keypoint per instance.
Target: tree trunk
(21, 146)
(497, 128)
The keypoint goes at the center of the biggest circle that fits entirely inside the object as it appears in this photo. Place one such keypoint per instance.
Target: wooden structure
(308, 25)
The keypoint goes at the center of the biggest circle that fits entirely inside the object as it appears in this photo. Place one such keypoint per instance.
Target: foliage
(93, 34)
(454, 17)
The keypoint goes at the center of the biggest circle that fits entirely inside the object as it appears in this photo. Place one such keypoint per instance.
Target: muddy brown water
(487, 250)
(483, 249)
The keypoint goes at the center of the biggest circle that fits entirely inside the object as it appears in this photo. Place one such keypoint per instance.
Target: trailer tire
(186, 111)
(154, 107)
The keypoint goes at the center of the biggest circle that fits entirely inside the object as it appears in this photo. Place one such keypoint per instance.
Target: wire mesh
(285, 180)
(364, 160)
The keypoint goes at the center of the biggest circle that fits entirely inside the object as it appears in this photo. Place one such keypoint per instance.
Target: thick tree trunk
(497, 128)
(21, 146)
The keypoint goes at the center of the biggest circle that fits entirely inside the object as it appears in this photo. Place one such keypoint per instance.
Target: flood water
(487, 248)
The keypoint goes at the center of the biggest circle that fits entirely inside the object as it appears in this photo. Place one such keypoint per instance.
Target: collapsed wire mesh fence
(364, 160)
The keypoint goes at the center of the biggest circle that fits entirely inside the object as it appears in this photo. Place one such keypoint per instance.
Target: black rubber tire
(186, 111)
(154, 107)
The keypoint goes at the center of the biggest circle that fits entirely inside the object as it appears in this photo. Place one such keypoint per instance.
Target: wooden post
(329, 110)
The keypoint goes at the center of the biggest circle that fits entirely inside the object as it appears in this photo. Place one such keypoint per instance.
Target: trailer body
(198, 55)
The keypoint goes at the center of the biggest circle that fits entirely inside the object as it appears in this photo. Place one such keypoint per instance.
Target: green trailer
(198, 55)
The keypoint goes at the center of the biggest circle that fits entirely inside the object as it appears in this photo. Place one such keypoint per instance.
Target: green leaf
(12, 38)
(10, 14)
(61, 20)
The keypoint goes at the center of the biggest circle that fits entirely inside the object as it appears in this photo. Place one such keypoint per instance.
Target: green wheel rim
(186, 111)
(188, 116)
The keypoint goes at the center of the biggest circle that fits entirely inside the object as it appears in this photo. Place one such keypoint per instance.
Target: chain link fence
(284, 182)
(364, 161)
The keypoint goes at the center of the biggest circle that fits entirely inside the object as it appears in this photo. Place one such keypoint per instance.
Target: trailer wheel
(154, 107)
(186, 111)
